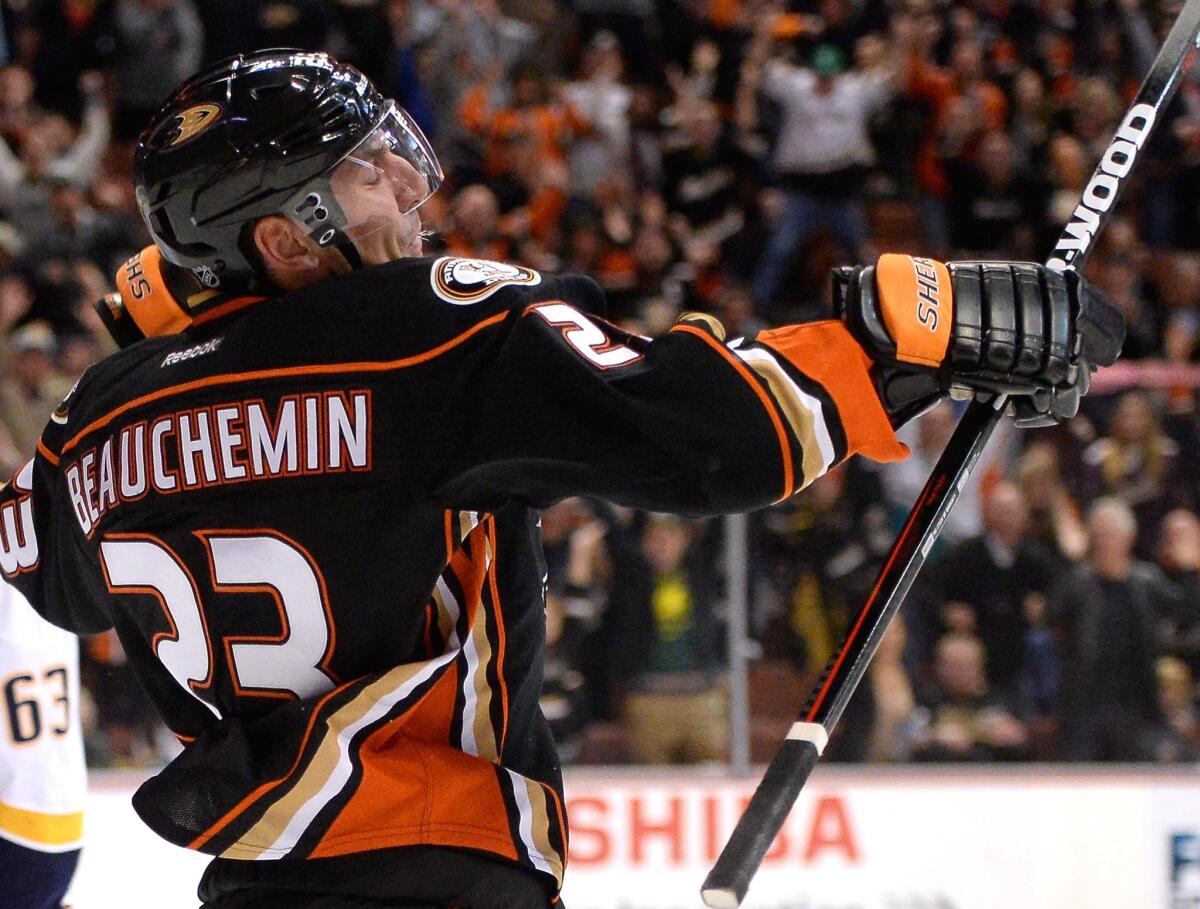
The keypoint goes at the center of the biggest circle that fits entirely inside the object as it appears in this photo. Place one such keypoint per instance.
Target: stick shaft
(789, 769)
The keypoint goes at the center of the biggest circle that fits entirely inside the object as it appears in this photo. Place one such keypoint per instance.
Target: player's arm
(568, 404)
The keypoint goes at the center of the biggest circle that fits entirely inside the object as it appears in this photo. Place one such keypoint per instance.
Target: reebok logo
(198, 351)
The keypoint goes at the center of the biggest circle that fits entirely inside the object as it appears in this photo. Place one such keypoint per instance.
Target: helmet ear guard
(316, 207)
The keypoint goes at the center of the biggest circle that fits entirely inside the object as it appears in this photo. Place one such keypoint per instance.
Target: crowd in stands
(722, 155)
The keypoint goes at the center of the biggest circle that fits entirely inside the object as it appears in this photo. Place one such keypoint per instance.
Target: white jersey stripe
(467, 738)
(781, 384)
(525, 828)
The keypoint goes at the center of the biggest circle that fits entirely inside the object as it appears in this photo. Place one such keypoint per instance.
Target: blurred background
(722, 155)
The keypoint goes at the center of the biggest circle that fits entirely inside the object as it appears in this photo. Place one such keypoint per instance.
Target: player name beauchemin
(219, 444)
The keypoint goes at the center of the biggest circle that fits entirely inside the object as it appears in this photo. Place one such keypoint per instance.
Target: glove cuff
(916, 305)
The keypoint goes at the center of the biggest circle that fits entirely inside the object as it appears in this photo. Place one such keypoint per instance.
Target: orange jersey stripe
(238, 377)
(47, 453)
(225, 308)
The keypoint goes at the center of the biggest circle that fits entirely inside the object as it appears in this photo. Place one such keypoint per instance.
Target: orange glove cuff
(917, 306)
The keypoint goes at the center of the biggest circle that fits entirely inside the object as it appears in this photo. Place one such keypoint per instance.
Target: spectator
(1177, 693)
(288, 23)
(18, 111)
(1137, 463)
(818, 552)
(1179, 558)
(960, 720)
(80, 231)
(961, 102)
(31, 388)
(1029, 123)
(1120, 277)
(992, 201)
(155, 44)
(880, 720)
(564, 697)
(821, 153)
(1105, 614)
(994, 575)
(578, 577)
(1054, 519)
(903, 481)
(701, 166)
(52, 150)
(603, 100)
(664, 641)
(531, 190)
(475, 215)
(401, 77)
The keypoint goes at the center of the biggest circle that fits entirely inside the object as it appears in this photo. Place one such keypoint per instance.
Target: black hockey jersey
(312, 523)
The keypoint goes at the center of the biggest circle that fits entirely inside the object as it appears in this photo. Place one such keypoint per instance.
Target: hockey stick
(727, 882)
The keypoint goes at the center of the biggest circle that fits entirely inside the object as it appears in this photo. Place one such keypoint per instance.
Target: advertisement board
(911, 838)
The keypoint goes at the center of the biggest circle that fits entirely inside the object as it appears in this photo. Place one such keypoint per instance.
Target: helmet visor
(395, 157)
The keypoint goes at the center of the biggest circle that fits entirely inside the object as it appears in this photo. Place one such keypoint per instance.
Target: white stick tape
(810, 732)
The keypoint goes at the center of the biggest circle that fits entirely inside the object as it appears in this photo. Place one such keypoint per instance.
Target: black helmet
(257, 135)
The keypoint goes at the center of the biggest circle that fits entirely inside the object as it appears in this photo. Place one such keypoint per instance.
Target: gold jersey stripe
(40, 827)
(800, 418)
(540, 828)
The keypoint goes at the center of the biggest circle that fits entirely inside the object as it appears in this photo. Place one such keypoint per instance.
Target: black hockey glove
(966, 328)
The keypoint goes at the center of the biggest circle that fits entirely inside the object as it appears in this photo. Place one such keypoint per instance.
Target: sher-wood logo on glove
(917, 307)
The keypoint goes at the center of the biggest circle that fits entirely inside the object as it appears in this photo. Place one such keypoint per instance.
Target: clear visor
(396, 158)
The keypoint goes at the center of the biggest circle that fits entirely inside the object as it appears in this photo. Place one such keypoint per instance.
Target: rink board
(925, 838)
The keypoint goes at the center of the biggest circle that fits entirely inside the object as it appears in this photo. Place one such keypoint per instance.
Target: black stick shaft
(730, 877)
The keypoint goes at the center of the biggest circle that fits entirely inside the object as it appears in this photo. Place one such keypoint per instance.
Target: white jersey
(42, 776)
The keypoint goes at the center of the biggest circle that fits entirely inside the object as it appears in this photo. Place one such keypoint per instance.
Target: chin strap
(346, 247)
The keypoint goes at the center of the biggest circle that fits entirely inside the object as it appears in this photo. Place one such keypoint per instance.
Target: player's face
(379, 193)
(380, 186)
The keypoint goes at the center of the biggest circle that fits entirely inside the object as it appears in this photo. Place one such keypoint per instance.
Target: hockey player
(306, 499)
(42, 775)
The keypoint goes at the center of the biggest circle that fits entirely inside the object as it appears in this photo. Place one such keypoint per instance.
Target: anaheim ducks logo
(466, 281)
(193, 121)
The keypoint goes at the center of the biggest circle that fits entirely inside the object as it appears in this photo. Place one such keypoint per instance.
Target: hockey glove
(967, 328)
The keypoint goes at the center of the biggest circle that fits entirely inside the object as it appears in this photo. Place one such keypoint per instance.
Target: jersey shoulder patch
(63, 410)
(466, 281)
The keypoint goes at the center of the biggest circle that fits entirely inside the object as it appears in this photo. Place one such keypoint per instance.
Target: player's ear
(283, 248)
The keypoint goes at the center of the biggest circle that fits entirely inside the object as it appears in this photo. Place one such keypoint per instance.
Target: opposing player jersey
(42, 776)
(312, 523)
